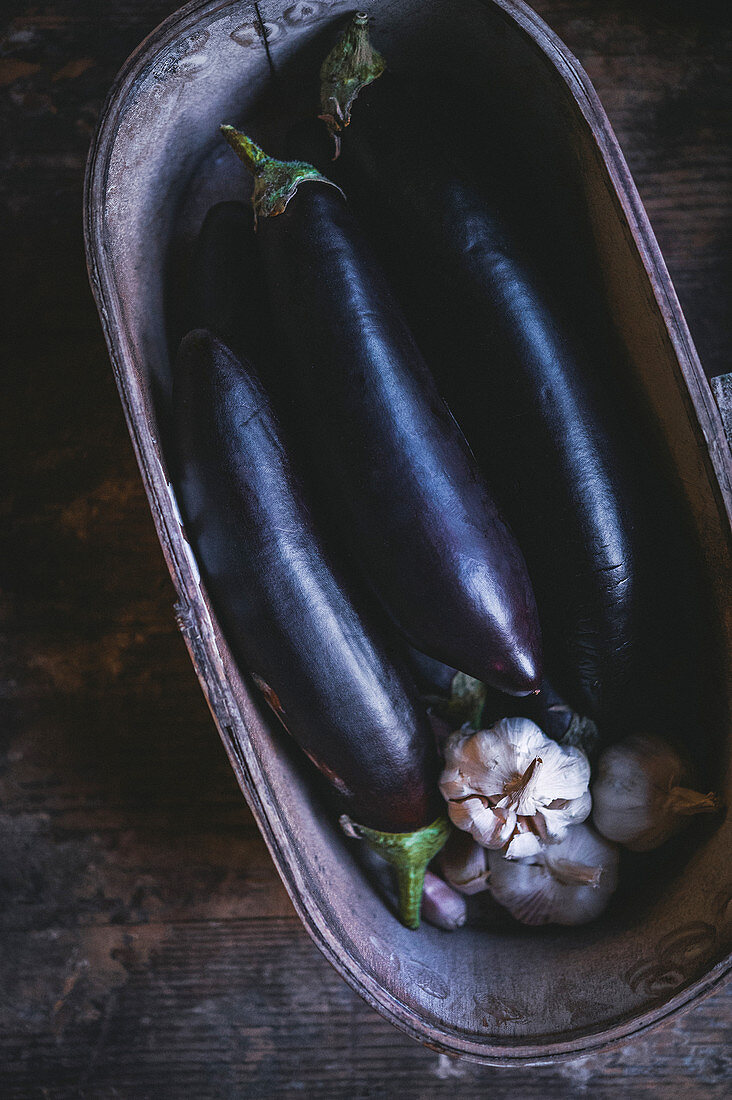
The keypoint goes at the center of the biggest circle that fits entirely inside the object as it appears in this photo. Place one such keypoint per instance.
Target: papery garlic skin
(567, 883)
(513, 788)
(638, 795)
(463, 864)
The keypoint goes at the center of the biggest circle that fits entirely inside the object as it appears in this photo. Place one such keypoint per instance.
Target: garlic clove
(568, 883)
(561, 814)
(454, 786)
(441, 905)
(523, 844)
(639, 795)
(464, 864)
(566, 770)
(491, 828)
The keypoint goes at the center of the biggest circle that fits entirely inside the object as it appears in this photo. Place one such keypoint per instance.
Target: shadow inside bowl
(495, 991)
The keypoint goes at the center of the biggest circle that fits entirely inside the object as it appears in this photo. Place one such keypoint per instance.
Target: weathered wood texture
(147, 946)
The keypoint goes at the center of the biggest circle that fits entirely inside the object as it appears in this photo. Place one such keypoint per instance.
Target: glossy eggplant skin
(225, 287)
(406, 487)
(287, 614)
(570, 471)
(551, 712)
(431, 677)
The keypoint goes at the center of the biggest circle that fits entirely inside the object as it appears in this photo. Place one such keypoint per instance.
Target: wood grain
(147, 944)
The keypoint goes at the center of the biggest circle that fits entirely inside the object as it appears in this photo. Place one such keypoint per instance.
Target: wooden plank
(146, 951)
(248, 1008)
(432, 988)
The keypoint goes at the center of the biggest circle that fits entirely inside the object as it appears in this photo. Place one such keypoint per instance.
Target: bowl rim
(599, 1038)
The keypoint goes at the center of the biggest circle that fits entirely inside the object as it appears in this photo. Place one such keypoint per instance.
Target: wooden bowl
(501, 993)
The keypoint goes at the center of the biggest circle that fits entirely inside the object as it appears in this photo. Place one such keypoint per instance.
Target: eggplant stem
(466, 702)
(275, 181)
(408, 854)
(351, 65)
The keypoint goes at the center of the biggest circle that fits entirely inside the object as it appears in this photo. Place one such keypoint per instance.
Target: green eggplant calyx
(351, 65)
(409, 854)
(465, 705)
(582, 733)
(275, 181)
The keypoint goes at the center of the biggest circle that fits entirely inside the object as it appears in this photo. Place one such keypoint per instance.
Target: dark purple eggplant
(411, 500)
(291, 620)
(576, 477)
(432, 677)
(226, 287)
(454, 700)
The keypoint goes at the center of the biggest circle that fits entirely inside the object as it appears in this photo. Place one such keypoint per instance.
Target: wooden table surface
(148, 948)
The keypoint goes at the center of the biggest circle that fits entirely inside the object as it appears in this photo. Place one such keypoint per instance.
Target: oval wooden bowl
(501, 993)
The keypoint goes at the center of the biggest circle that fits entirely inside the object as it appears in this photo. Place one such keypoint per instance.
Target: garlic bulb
(638, 797)
(511, 787)
(464, 864)
(567, 883)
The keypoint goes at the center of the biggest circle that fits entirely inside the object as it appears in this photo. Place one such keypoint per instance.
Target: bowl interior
(494, 989)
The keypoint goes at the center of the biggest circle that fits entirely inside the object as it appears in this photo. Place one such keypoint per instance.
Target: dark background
(148, 947)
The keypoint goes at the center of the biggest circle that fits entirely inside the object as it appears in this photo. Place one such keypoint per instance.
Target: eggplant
(577, 479)
(225, 284)
(432, 677)
(291, 619)
(408, 492)
(455, 700)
